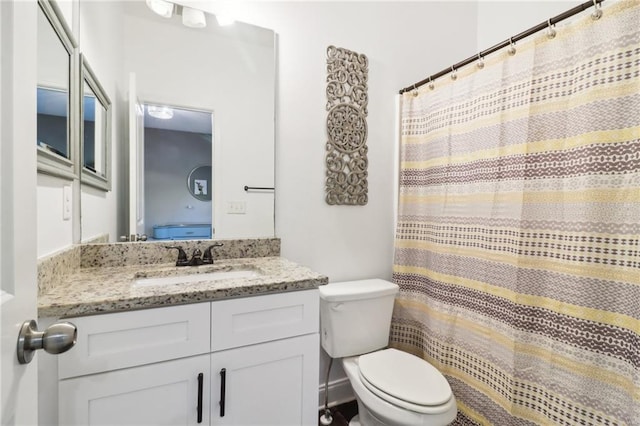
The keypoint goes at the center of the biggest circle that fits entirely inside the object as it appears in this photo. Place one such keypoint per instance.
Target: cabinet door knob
(56, 339)
(223, 385)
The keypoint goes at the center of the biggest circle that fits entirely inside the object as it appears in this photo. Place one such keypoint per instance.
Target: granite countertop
(111, 289)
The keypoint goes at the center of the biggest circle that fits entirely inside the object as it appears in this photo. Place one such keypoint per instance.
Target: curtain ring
(551, 32)
(480, 63)
(454, 75)
(431, 85)
(597, 12)
(512, 47)
(414, 92)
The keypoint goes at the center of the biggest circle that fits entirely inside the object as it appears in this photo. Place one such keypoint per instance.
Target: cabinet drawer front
(250, 320)
(112, 341)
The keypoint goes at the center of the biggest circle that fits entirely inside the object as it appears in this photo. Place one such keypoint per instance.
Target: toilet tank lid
(362, 289)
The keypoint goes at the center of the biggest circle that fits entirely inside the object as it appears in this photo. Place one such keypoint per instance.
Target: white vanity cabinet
(162, 366)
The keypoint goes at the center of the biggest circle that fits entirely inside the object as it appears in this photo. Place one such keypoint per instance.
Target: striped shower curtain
(517, 248)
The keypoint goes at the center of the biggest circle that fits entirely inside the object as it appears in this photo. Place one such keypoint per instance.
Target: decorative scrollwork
(346, 149)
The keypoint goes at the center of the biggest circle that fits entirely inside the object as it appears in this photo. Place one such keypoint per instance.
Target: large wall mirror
(56, 114)
(228, 72)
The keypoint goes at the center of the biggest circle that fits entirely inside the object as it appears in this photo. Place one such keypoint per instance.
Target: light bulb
(193, 18)
(161, 7)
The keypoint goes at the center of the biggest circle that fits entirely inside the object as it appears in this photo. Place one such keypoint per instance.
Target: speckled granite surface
(111, 289)
(54, 269)
(154, 252)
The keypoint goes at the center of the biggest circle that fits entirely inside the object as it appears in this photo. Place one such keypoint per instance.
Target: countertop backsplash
(55, 268)
(149, 253)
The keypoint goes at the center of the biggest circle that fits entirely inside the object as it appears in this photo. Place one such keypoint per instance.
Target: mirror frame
(49, 162)
(89, 177)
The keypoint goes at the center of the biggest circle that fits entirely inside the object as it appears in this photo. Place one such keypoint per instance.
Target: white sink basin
(196, 278)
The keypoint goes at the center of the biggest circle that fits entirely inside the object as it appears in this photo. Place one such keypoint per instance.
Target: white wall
(499, 20)
(102, 47)
(54, 232)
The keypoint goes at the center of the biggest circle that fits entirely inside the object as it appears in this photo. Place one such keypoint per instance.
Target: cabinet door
(165, 393)
(273, 383)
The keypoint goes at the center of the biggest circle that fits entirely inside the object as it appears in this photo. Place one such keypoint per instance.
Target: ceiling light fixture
(193, 18)
(161, 112)
(161, 7)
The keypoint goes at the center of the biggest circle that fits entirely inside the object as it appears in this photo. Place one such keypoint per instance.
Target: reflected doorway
(177, 142)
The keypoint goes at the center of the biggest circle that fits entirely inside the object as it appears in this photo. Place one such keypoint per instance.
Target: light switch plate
(237, 207)
(66, 202)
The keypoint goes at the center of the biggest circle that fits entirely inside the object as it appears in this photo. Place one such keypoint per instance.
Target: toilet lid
(405, 377)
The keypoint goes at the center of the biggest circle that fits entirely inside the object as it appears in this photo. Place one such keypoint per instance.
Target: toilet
(391, 387)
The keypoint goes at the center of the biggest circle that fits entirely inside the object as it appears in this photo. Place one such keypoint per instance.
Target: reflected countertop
(100, 290)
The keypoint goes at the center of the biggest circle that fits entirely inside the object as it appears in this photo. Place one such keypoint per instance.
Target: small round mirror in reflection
(199, 183)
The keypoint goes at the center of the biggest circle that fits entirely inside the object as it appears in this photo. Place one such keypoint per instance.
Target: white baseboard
(340, 391)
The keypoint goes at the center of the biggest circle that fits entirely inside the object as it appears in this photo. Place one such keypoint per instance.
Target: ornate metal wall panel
(346, 149)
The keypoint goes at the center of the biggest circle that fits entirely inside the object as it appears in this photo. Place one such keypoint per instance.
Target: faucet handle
(182, 256)
(208, 256)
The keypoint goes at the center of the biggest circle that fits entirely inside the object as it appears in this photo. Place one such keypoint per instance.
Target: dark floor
(341, 413)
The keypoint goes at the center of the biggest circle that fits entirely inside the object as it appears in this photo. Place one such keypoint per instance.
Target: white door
(171, 393)
(18, 251)
(274, 383)
(136, 161)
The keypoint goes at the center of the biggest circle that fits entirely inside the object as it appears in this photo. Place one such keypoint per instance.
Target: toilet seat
(404, 380)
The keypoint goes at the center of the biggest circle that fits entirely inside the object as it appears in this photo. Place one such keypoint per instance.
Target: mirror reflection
(95, 134)
(226, 71)
(53, 107)
(94, 116)
(177, 149)
(52, 90)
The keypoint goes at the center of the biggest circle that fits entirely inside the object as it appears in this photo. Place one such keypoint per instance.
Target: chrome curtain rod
(561, 17)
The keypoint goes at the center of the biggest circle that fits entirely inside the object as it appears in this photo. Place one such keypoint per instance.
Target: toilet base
(355, 421)
(368, 418)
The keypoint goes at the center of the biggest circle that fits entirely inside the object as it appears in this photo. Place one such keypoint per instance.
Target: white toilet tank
(355, 316)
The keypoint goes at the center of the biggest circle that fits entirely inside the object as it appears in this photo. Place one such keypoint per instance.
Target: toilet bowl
(419, 396)
(392, 387)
